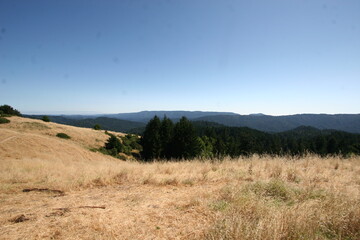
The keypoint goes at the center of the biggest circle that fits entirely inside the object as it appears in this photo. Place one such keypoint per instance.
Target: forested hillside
(342, 122)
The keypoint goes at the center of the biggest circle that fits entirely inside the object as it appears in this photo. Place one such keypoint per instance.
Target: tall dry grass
(260, 197)
(332, 173)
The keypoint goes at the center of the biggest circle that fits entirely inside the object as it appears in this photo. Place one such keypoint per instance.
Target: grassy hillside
(25, 138)
(79, 194)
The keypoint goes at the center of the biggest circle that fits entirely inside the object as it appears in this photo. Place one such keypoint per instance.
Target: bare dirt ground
(130, 212)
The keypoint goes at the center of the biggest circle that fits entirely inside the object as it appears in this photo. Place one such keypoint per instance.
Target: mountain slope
(145, 116)
(342, 122)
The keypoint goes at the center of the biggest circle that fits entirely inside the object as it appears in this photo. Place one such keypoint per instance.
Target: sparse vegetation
(63, 135)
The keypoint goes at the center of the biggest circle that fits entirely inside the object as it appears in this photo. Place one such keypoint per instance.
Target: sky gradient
(275, 57)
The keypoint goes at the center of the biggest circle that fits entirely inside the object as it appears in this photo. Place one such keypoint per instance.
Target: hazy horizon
(272, 57)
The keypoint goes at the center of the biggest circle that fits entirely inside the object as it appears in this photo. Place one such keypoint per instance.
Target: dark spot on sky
(3, 81)
(334, 22)
(66, 76)
(3, 30)
(324, 6)
(115, 59)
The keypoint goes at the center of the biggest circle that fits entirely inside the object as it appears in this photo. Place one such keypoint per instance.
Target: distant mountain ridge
(267, 123)
(145, 116)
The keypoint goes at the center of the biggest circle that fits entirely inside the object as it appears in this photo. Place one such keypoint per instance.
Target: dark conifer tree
(185, 144)
(151, 140)
(166, 133)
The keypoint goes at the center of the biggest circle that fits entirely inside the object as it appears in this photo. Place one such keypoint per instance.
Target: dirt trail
(7, 139)
(143, 211)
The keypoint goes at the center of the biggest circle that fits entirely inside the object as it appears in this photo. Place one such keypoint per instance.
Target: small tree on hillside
(45, 119)
(113, 145)
(97, 127)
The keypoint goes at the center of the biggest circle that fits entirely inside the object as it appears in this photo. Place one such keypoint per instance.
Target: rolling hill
(134, 122)
(342, 122)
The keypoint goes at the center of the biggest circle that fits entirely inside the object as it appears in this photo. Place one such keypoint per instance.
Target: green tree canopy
(185, 144)
(166, 133)
(8, 110)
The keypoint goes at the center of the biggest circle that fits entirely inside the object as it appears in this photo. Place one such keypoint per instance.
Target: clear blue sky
(275, 57)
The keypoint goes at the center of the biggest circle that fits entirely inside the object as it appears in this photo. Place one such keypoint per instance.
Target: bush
(45, 119)
(63, 135)
(113, 145)
(4, 120)
(97, 127)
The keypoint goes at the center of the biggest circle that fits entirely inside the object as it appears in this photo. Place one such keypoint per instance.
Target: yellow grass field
(80, 194)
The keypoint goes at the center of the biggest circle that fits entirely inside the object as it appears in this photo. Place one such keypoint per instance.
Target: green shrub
(63, 135)
(4, 120)
(97, 127)
(113, 145)
(45, 119)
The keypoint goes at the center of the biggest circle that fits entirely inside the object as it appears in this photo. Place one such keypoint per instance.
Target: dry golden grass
(251, 198)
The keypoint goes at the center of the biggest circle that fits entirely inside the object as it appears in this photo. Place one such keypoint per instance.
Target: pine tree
(166, 133)
(151, 140)
(185, 144)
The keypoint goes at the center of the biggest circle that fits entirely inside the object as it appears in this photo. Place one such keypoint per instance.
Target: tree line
(164, 139)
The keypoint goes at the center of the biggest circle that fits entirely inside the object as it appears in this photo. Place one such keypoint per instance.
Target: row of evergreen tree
(162, 139)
